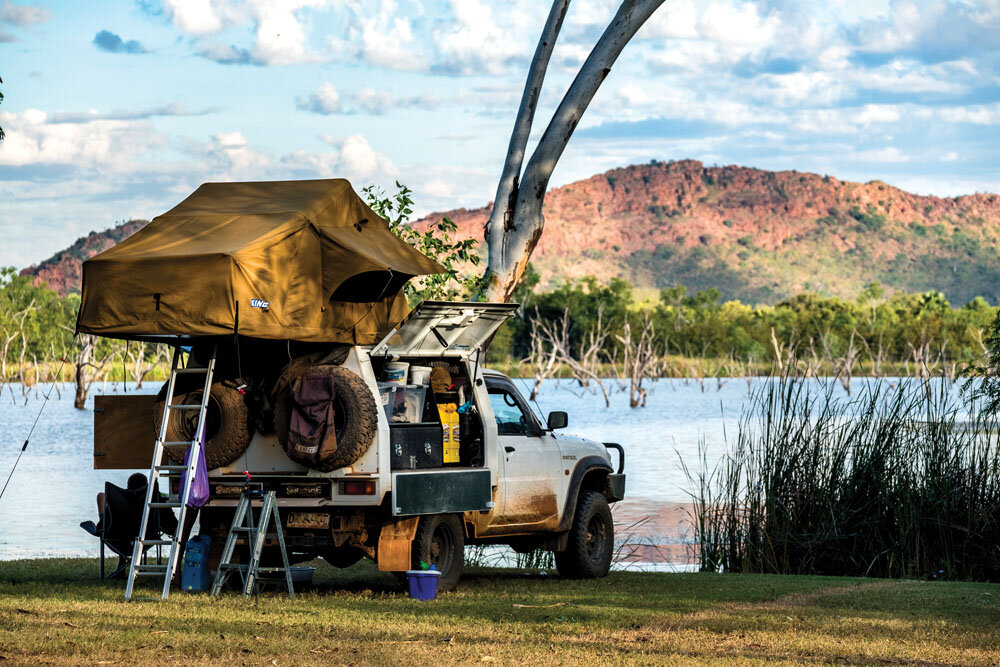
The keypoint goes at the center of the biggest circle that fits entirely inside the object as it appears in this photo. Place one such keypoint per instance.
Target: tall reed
(899, 480)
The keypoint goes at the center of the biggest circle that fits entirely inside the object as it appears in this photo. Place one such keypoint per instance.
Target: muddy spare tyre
(353, 411)
(227, 426)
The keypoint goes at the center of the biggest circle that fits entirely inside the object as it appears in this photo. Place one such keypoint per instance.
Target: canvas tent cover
(299, 260)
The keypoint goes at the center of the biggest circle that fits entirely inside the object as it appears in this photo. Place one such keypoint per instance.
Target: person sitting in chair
(119, 516)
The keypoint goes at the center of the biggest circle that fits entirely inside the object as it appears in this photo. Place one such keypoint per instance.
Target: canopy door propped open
(296, 260)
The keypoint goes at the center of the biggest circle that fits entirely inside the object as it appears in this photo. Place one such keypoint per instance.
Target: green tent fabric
(298, 260)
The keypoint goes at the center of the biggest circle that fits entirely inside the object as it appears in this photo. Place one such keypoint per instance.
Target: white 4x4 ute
(505, 478)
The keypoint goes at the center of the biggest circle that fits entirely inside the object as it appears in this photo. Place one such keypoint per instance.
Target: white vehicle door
(531, 461)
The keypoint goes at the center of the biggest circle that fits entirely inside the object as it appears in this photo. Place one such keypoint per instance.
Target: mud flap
(394, 542)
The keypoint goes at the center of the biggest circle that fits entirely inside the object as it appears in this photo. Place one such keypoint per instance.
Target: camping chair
(120, 521)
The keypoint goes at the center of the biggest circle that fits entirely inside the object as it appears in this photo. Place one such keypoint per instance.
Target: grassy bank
(55, 611)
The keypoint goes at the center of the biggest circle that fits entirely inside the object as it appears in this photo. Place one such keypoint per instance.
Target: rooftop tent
(299, 260)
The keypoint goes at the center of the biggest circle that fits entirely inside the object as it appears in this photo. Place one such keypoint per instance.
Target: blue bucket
(423, 584)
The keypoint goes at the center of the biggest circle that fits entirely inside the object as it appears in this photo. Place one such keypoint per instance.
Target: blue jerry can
(195, 575)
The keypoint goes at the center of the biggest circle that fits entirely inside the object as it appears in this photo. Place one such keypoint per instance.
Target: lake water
(54, 486)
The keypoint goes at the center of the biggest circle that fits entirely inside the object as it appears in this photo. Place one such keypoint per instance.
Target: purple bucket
(423, 584)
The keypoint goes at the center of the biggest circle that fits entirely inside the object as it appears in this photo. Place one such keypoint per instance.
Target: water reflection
(55, 484)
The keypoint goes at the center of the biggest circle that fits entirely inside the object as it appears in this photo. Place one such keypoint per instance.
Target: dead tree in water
(586, 369)
(639, 361)
(542, 358)
(87, 369)
(138, 358)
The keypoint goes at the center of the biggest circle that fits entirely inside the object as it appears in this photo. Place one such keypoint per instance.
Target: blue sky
(119, 109)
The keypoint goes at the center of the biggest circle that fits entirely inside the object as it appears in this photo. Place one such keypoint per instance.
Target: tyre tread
(573, 563)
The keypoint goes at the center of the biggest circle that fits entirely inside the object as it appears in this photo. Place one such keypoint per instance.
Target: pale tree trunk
(506, 197)
(88, 370)
(510, 250)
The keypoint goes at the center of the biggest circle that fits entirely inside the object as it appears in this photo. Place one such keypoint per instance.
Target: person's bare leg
(100, 504)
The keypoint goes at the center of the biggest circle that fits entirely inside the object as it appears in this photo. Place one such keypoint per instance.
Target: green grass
(55, 611)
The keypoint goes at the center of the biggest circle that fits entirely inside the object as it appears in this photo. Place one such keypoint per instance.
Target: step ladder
(256, 533)
(158, 470)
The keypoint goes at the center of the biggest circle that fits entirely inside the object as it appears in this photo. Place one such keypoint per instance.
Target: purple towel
(200, 491)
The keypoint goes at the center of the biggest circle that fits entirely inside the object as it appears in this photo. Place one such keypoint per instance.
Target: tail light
(357, 488)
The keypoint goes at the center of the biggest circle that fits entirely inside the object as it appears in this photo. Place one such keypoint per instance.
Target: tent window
(369, 286)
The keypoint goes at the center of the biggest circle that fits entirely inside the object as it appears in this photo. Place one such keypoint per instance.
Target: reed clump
(899, 480)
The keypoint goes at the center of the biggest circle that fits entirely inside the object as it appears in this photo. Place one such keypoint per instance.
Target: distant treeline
(877, 333)
(589, 330)
(38, 345)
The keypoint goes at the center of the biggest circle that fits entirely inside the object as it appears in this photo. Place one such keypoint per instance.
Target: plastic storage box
(403, 403)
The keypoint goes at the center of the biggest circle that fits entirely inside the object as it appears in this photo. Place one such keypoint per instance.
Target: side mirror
(557, 419)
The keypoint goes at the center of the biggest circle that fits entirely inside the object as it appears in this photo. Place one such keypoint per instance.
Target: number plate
(308, 520)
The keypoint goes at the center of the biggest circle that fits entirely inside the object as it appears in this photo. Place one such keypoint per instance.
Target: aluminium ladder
(255, 532)
(156, 470)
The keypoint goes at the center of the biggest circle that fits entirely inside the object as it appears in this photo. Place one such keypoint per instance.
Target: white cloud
(323, 100)
(976, 115)
(279, 34)
(195, 17)
(362, 161)
(906, 76)
(737, 26)
(887, 155)
(382, 38)
(374, 101)
(234, 157)
(105, 145)
(877, 113)
(473, 43)
(633, 95)
(281, 38)
(673, 20)
(797, 88)
(23, 15)
(327, 100)
(352, 158)
(950, 156)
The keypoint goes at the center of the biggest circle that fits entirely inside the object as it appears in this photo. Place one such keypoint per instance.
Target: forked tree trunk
(503, 204)
(518, 206)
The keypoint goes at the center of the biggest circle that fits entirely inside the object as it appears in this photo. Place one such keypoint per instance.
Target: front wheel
(591, 539)
(440, 541)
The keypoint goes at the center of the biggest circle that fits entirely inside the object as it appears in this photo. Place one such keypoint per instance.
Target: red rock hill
(762, 235)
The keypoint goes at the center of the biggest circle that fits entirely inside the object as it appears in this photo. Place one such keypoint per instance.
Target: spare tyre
(354, 415)
(227, 426)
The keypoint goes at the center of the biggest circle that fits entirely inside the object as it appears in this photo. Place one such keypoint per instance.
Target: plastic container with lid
(423, 583)
(420, 375)
(396, 372)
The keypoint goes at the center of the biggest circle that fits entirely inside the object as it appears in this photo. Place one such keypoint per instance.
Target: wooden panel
(123, 432)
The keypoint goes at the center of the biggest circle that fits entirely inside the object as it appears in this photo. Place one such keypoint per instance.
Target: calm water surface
(54, 486)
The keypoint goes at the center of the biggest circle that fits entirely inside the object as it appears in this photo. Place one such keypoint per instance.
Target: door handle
(508, 449)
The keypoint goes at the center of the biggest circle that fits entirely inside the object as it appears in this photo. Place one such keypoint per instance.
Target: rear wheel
(342, 556)
(227, 421)
(355, 416)
(440, 541)
(591, 539)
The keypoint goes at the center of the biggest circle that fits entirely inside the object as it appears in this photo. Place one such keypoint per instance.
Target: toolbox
(416, 446)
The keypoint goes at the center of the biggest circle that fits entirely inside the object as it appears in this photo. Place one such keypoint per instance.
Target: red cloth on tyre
(311, 433)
